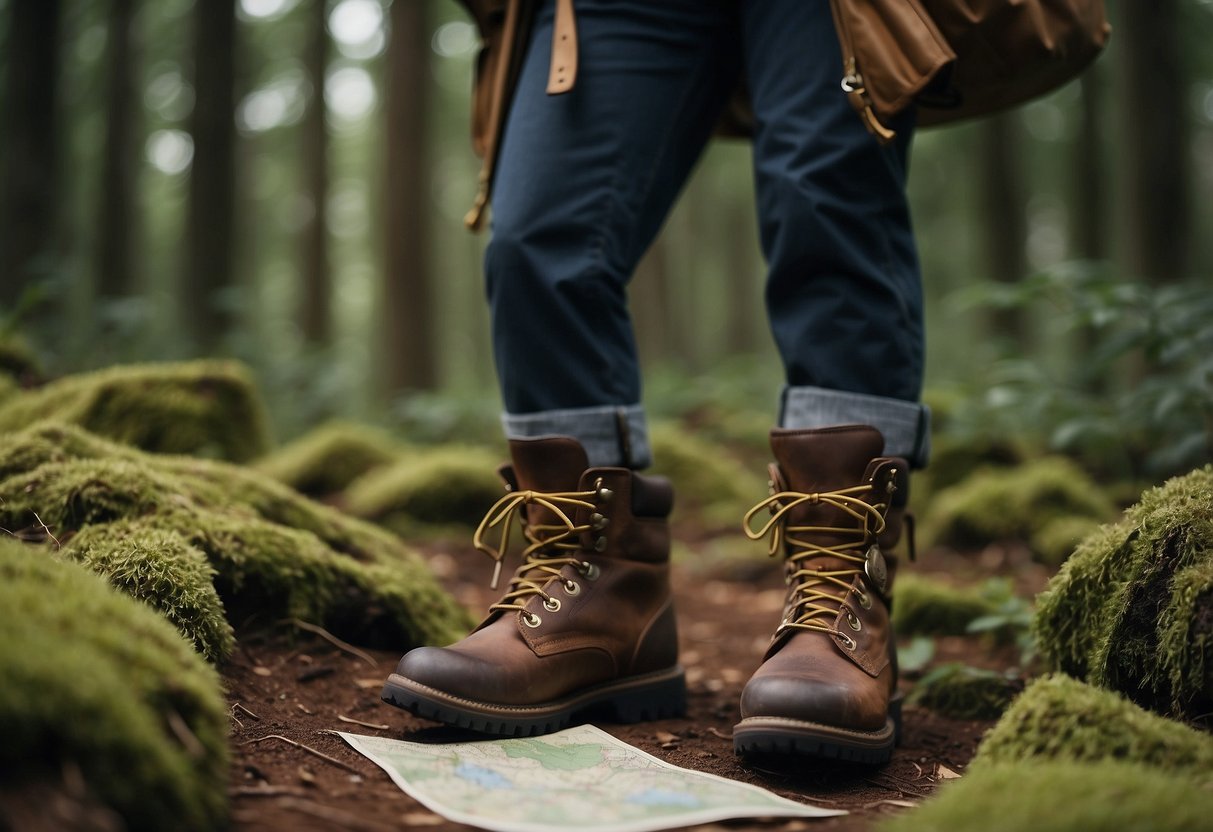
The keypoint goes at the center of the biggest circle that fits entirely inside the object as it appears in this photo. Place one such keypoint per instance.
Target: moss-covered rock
(204, 408)
(162, 569)
(922, 606)
(964, 692)
(1059, 718)
(439, 487)
(1063, 797)
(99, 682)
(1014, 504)
(326, 460)
(275, 553)
(711, 485)
(1132, 609)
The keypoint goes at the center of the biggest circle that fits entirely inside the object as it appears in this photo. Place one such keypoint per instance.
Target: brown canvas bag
(957, 59)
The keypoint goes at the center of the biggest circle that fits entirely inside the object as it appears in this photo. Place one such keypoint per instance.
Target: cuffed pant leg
(843, 291)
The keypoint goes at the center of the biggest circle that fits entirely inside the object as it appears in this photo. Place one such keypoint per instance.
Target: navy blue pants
(585, 180)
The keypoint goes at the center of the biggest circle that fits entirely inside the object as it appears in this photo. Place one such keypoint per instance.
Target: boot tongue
(825, 459)
(547, 464)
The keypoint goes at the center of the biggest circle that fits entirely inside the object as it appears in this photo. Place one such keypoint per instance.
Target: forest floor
(290, 686)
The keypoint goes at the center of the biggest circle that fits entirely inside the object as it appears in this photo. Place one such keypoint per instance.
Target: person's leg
(585, 180)
(843, 291)
(844, 299)
(587, 622)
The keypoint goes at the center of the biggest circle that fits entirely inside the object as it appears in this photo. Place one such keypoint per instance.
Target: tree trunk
(29, 174)
(409, 331)
(1090, 189)
(316, 301)
(649, 297)
(115, 265)
(1157, 167)
(1004, 224)
(210, 227)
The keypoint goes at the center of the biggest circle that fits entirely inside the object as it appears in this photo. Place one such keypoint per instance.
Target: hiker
(610, 112)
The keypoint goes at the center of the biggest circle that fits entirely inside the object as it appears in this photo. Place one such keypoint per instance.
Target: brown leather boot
(586, 627)
(827, 682)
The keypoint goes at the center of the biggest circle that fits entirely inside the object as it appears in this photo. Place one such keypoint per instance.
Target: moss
(922, 606)
(9, 388)
(711, 486)
(1057, 539)
(274, 552)
(1132, 609)
(955, 459)
(964, 692)
(440, 487)
(326, 460)
(165, 571)
(1014, 504)
(205, 408)
(96, 680)
(1062, 797)
(1059, 718)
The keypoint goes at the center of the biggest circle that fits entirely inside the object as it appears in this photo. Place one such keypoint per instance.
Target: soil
(287, 688)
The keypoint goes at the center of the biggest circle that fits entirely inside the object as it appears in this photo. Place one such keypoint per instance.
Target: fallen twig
(306, 748)
(353, 721)
(46, 529)
(236, 705)
(266, 791)
(333, 640)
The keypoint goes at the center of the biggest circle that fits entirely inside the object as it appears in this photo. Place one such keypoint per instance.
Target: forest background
(284, 181)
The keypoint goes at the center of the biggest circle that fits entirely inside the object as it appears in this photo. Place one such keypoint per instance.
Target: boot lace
(817, 594)
(550, 546)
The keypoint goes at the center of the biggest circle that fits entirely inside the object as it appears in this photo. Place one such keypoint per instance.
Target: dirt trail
(295, 686)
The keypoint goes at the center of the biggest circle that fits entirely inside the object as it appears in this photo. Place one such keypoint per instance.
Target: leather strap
(562, 74)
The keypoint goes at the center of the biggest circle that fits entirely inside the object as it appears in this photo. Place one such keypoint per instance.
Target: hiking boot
(586, 627)
(827, 684)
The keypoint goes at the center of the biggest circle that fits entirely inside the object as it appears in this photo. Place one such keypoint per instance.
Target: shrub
(964, 692)
(923, 606)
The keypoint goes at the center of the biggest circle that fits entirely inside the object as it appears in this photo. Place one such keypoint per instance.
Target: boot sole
(652, 696)
(779, 735)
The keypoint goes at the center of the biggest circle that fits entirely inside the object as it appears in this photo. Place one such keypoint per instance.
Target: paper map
(581, 778)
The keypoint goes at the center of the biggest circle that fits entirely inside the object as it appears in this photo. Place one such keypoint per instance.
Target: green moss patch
(1016, 504)
(204, 408)
(442, 487)
(1063, 797)
(96, 680)
(1132, 610)
(274, 553)
(922, 606)
(163, 569)
(1060, 718)
(711, 486)
(326, 460)
(964, 692)
(18, 361)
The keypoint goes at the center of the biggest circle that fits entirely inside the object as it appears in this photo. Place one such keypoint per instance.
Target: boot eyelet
(604, 494)
(590, 570)
(865, 600)
(598, 522)
(572, 588)
(552, 605)
(847, 641)
(531, 620)
(853, 622)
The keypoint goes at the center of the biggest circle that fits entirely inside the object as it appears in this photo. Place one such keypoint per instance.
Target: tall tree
(315, 303)
(1090, 194)
(115, 208)
(210, 225)
(1003, 216)
(29, 162)
(409, 331)
(1157, 163)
